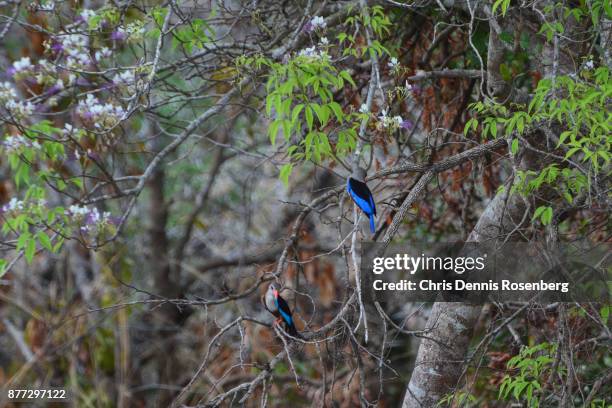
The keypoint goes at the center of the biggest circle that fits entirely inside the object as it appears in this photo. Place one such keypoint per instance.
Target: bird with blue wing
(279, 307)
(361, 194)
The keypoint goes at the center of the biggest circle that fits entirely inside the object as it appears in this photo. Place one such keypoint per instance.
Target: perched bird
(278, 306)
(361, 194)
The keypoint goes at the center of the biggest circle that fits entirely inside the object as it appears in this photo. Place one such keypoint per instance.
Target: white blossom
(364, 108)
(22, 64)
(125, 77)
(19, 109)
(393, 63)
(324, 41)
(13, 205)
(86, 14)
(383, 115)
(15, 143)
(308, 52)
(77, 59)
(91, 219)
(70, 130)
(100, 114)
(104, 52)
(75, 48)
(47, 6)
(46, 74)
(388, 122)
(314, 53)
(318, 22)
(74, 41)
(589, 64)
(7, 92)
(77, 210)
(21, 68)
(133, 31)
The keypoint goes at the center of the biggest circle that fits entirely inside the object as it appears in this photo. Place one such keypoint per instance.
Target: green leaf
(508, 388)
(504, 6)
(44, 240)
(285, 172)
(77, 182)
(518, 389)
(563, 136)
(571, 152)
(159, 14)
(520, 124)
(529, 393)
(604, 155)
(30, 250)
(604, 312)
(296, 112)
(309, 117)
(308, 144)
(515, 146)
(269, 102)
(322, 113)
(547, 215)
(22, 241)
(324, 143)
(472, 123)
(538, 212)
(273, 131)
(337, 109)
(58, 245)
(22, 174)
(346, 76)
(287, 128)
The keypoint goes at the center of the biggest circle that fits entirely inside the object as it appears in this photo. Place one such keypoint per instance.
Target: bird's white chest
(271, 303)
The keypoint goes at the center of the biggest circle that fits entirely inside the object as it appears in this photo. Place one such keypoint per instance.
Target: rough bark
(442, 353)
(495, 56)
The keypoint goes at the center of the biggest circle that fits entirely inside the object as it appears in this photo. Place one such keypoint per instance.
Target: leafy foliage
(575, 104)
(533, 365)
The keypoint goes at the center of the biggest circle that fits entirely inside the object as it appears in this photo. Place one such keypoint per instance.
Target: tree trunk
(441, 356)
(166, 316)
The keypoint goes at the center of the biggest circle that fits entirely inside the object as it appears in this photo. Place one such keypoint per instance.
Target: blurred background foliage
(161, 162)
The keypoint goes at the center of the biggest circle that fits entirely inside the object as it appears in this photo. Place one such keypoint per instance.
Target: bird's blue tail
(372, 225)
